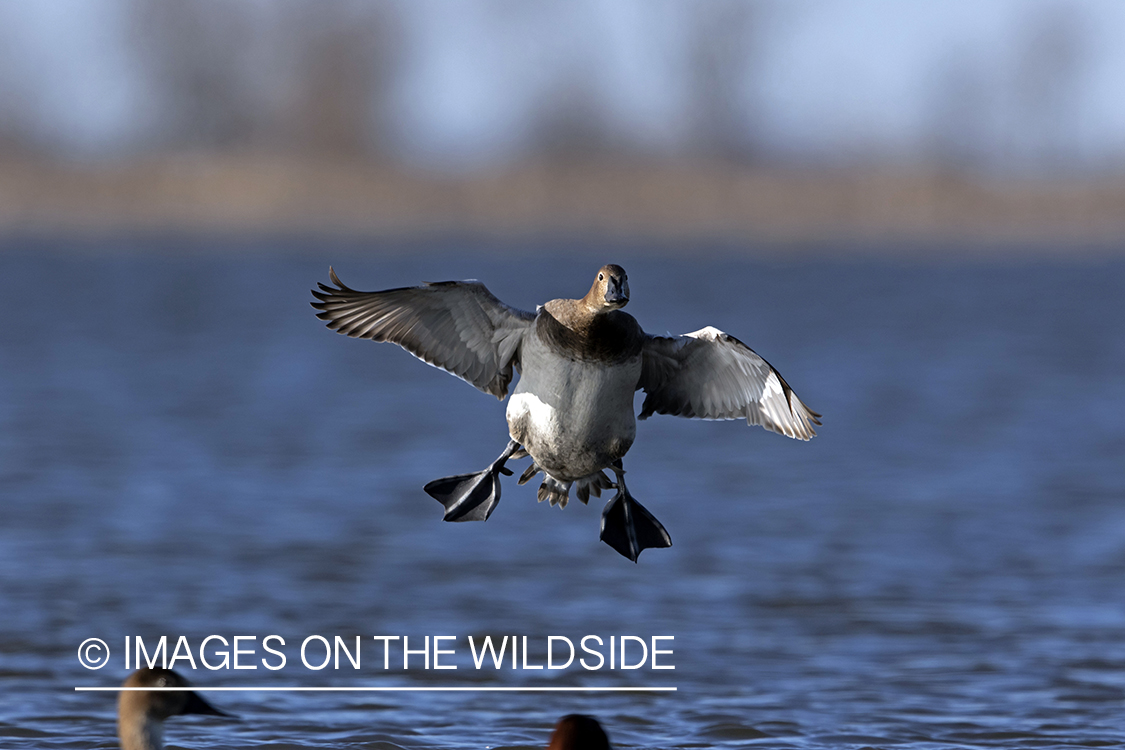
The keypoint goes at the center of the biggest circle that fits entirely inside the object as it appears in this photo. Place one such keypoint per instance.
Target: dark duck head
(578, 732)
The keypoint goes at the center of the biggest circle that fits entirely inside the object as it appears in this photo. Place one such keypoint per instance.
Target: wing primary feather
(457, 326)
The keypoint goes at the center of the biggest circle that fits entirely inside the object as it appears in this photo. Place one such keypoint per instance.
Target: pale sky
(999, 81)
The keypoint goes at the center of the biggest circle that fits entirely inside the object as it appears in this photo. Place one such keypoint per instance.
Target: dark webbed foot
(472, 497)
(627, 526)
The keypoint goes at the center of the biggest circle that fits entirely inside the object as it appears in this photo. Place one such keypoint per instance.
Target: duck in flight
(580, 361)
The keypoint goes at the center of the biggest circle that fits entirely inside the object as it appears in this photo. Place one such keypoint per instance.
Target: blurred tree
(721, 57)
(198, 56)
(571, 122)
(1020, 108)
(963, 108)
(299, 75)
(346, 54)
(567, 111)
(1048, 74)
(330, 112)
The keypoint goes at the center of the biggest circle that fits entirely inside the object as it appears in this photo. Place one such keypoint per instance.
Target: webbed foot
(627, 526)
(472, 497)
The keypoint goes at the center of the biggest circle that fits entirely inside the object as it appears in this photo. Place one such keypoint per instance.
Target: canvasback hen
(578, 732)
(580, 361)
(141, 713)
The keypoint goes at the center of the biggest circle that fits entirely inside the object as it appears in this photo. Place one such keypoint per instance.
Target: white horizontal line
(390, 689)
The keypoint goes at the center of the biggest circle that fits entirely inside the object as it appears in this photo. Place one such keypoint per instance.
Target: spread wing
(710, 375)
(458, 326)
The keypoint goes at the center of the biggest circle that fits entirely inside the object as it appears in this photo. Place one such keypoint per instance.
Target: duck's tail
(553, 490)
(558, 492)
(594, 483)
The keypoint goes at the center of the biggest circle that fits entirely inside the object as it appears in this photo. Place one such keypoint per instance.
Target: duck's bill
(617, 292)
(197, 705)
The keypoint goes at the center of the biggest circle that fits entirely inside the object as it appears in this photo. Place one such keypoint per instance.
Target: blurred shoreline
(784, 208)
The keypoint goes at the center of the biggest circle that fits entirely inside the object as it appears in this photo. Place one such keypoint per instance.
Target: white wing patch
(772, 387)
(707, 333)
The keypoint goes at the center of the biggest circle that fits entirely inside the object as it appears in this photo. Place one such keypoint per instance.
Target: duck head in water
(578, 732)
(141, 713)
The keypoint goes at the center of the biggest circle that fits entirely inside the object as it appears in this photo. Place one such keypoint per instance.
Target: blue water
(186, 450)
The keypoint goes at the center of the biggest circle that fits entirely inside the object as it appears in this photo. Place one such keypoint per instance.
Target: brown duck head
(610, 290)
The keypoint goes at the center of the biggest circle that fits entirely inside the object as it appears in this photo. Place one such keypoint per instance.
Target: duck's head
(610, 290)
(141, 713)
(578, 732)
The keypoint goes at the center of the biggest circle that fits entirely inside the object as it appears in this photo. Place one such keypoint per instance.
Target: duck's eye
(601, 277)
